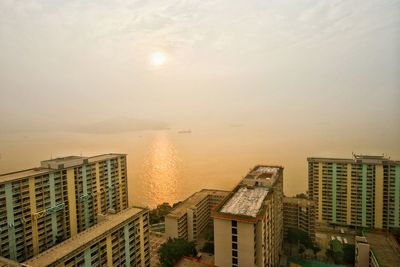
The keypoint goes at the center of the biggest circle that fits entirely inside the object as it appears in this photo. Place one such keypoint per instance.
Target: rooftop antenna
(51, 155)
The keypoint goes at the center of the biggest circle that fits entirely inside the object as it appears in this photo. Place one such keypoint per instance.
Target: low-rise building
(377, 249)
(120, 239)
(299, 213)
(189, 218)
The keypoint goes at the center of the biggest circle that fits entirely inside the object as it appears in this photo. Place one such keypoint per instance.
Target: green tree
(172, 250)
(295, 236)
(396, 232)
(316, 249)
(302, 195)
(157, 215)
(337, 250)
(349, 254)
(208, 247)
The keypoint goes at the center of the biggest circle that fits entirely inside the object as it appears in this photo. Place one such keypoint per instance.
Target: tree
(208, 248)
(316, 249)
(349, 254)
(157, 215)
(337, 250)
(302, 195)
(172, 250)
(295, 235)
(396, 233)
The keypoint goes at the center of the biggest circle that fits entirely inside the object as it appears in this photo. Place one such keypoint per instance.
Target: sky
(294, 65)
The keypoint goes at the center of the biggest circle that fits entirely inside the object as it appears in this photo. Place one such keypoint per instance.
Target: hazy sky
(297, 65)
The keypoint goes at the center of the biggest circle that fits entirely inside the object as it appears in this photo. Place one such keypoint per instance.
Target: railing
(48, 211)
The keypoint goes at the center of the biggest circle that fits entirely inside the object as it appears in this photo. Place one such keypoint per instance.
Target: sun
(158, 58)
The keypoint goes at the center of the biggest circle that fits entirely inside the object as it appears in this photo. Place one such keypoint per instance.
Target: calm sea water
(165, 166)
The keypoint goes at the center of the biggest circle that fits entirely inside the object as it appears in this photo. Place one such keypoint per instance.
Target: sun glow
(158, 58)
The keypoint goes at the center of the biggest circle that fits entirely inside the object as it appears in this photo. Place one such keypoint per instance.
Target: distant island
(185, 131)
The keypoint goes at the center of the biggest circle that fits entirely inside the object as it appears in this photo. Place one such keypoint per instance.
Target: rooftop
(245, 201)
(186, 261)
(22, 174)
(48, 165)
(4, 262)
(369, 159)
(262, 176)
(302, 202)
(385, 248)
(193, 200)
(67, 247)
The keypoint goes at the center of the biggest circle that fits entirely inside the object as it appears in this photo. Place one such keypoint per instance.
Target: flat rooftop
(83, 239)
(186, 261)
(385, 248)
(71, 160)
(191, 202)
(4, 262)
(22, 174)
(302, 202)
(263, 172)
(368, 159)
(245, 201)
(262, 175)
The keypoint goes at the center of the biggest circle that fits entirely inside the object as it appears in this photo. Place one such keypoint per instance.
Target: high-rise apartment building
(248, 223)
(189, 218)
(299, 213)
(43, 206)
(120, 239)
(363, 191)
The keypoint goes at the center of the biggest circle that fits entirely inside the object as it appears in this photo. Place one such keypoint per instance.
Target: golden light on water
(162, 171)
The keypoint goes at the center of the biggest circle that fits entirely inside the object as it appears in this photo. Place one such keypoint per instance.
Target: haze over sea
(167, 166)
(257, 82)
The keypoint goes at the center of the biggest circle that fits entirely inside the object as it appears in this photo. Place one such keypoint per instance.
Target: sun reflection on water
(161, 171)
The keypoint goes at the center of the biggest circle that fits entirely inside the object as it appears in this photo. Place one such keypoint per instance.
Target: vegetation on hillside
(157, 215)
(171, 251)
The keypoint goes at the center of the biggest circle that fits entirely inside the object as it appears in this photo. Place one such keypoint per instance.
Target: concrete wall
(246, 244)
(171, 227)
(223, 243)
(362, 255)
(190, 224)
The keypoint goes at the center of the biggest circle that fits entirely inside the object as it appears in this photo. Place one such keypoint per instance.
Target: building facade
(363, 191)
(120, 239)
(299, 213)
(43, 206)
(189, 218)
(364, 256)
(248, 223)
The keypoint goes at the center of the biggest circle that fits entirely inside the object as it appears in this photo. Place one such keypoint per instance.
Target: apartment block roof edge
(257, 173)
(181, 208)
(85, 238)
(46, 166)
(217, 213)
(357, 158)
